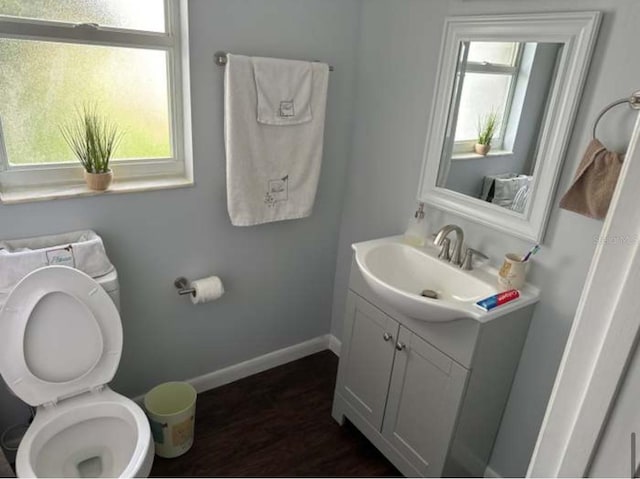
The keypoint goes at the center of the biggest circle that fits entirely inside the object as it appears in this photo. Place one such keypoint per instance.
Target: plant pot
(98, 181)
(481, 149)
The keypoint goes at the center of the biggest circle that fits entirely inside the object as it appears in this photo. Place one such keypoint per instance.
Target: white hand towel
(272, 171)
(284, 91)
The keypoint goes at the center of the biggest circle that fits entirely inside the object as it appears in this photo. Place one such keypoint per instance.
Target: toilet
(60, 345)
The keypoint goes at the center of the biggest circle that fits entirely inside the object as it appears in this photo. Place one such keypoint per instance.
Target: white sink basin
(398, 273)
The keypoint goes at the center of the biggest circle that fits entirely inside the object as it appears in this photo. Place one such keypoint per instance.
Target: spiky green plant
(93, 138)
(487, 126)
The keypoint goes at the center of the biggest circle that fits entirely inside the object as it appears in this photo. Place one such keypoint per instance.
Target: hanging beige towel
(273, 167)
(594, 183)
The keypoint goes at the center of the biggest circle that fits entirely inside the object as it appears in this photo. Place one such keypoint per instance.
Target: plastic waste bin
(171, 408)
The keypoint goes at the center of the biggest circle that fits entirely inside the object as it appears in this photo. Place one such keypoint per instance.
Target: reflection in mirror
(497, 109)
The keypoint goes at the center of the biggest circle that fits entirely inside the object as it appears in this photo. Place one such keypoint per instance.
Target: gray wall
(397, 62)
(279, 277)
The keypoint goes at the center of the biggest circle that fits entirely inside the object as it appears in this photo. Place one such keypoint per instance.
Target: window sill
(474, 156)
(74, 190)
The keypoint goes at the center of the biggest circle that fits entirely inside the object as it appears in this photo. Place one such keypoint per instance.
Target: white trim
(73, 190)
(65, 32)
(59, 179)
(53, 174)
(577, 32)
(258, 364)
(602, 337)
(335, 345)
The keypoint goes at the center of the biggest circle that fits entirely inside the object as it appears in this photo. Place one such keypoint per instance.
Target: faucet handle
(445, 252)
(467, 261)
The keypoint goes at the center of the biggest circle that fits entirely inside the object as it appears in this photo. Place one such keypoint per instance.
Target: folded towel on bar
(272, 170)
(284, 91)
(594, 182)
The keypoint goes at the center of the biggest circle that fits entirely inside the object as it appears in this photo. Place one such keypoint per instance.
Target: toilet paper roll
(206, 289)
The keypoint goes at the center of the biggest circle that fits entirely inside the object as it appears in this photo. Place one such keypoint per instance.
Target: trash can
(171, 408)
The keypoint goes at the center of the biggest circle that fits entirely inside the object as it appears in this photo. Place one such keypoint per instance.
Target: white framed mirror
(513, 82)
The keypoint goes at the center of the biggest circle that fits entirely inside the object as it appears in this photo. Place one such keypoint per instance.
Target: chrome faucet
(442, 240)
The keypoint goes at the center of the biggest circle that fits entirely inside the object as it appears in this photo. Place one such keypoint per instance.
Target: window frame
(174, 41)
(466, 146)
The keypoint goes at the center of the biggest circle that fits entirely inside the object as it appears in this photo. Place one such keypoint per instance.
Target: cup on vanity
(512, 274)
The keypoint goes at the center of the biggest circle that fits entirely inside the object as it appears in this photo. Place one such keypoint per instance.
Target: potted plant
(93, 139)
(487, 126)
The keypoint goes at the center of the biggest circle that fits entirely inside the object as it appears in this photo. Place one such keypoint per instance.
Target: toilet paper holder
(182, 285)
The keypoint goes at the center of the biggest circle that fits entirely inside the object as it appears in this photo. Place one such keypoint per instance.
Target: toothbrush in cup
(531, 252)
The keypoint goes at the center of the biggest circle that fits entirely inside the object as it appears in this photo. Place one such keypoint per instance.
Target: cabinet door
(424, 397)
(367, 358)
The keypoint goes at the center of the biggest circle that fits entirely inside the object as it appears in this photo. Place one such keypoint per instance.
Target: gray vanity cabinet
(424, 395)
(399, 384)
(429, 396)
(368, 361)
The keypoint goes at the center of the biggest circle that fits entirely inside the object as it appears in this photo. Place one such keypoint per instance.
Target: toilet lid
(60, 335)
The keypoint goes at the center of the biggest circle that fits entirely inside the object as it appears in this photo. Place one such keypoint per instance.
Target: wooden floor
(277, 423)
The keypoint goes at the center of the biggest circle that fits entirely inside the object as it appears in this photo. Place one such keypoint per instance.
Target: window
(488, 84)
(122, 56)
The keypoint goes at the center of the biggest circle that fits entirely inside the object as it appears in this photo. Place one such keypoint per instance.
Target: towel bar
(633, 101)
(221, 60)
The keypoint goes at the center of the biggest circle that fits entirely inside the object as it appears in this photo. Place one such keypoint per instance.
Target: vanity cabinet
(369, 360)
(430, 396)
(424, 395)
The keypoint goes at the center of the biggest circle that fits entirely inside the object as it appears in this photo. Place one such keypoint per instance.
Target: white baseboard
(490, 473)
(257, 365)
(261, 363)
(334, 344)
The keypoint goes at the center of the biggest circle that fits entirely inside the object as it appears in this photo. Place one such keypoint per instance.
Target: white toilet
(60, 344)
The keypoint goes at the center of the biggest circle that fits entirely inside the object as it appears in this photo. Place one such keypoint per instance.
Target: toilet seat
(61, 336)
(60, 345)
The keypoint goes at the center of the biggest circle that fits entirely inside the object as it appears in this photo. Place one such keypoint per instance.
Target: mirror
(507, 92)
(498, 104)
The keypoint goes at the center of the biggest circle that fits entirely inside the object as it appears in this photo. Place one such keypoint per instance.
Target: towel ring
(633, 101)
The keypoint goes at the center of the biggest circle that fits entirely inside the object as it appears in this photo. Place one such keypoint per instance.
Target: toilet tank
(110, 284)
(83, 250)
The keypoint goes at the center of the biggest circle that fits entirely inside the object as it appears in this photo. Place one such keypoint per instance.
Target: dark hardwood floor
(276, 423)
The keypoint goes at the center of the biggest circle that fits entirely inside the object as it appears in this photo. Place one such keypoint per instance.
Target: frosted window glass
(482, 93)
(131, 14)
(42, 84)
(500, 53)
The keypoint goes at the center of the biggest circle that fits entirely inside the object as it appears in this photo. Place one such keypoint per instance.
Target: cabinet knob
(387, 337)
(400, 346)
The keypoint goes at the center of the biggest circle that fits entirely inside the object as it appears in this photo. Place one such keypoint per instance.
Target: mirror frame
(577, 31)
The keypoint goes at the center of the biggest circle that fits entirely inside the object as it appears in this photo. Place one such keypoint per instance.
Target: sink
(397, 273)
